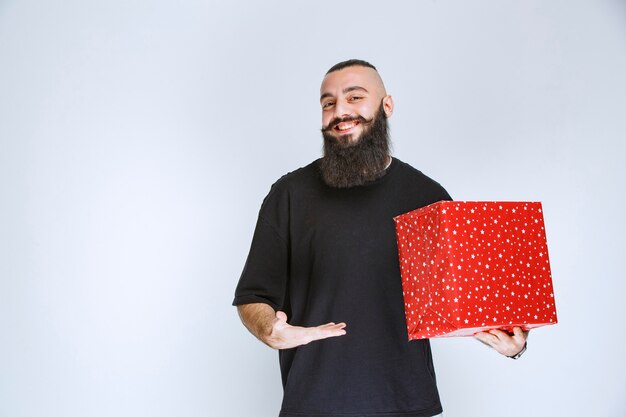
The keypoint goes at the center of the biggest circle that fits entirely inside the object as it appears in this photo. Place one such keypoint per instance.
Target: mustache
(337, 120)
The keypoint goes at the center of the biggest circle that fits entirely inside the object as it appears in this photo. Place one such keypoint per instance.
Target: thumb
(280, 315)
(517, 331)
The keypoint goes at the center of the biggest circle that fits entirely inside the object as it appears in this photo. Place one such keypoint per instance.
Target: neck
(388, 163)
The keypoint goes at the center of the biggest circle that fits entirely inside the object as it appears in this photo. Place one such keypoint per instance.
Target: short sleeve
(266, 272)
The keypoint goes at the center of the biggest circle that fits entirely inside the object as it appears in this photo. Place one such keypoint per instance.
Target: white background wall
(138, 138)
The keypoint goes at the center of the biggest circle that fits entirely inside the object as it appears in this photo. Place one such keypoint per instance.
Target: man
(323, 267)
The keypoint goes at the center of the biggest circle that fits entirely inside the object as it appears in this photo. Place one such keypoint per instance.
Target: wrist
(270, 333)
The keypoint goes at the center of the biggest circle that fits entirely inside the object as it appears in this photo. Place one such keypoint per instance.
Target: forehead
(355, 76)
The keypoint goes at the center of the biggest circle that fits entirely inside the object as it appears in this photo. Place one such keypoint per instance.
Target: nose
(341, 109)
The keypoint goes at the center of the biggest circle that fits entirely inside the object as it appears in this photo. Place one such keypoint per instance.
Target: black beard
(346, 164)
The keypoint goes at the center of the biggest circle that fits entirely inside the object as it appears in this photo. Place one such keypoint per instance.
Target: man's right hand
(271, 327)
(286, 336)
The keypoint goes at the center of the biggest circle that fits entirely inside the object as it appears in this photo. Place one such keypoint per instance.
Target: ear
(388, 105)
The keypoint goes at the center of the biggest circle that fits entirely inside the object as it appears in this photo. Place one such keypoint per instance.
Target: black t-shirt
(325, 254)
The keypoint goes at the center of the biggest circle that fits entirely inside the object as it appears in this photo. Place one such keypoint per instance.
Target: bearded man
(323, 267)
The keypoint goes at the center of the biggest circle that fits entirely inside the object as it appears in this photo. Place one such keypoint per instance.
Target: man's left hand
(503, 342)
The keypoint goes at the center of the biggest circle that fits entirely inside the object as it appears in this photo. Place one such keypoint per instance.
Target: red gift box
(474, 266)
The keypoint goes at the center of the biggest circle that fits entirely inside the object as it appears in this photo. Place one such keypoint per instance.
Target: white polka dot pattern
(473, 266)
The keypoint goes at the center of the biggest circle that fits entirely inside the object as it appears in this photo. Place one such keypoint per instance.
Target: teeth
(346, 126)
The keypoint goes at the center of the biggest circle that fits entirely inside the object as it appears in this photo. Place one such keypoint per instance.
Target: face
(350, 99)
(346, 165)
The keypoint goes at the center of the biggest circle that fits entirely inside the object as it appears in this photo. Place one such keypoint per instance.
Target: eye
(327, 105)
(355, 98)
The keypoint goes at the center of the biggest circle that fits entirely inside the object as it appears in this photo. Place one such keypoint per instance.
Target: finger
(520, 334)
(333, 332)
(486, 338)
(500, 334)
(331, 324)
(336, 327)
(317, 333)
(281, 315)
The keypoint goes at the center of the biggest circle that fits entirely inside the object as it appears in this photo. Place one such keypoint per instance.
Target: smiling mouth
(345, 127)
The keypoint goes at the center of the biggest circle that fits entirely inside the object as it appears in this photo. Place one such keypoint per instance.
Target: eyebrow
(345, 90)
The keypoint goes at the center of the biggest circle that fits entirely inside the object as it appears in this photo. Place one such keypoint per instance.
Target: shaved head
(368, 71)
